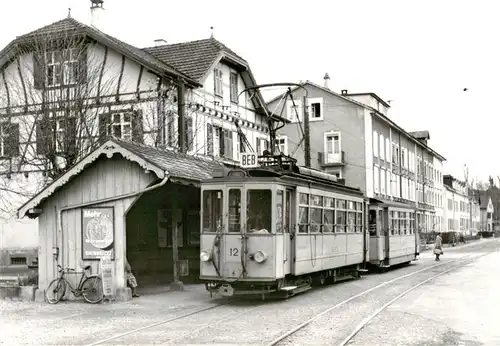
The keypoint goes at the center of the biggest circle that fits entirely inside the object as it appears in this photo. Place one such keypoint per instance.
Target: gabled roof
(178, 167)
(197, 58)
(372, 110)
(71, 25)
(193, 58)
(375, 96)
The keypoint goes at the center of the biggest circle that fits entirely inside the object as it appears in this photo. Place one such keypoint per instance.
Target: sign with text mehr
(98, 233)
(248, 160)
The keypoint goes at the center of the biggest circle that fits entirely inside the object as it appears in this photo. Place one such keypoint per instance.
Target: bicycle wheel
(92, 290)
(55, 291)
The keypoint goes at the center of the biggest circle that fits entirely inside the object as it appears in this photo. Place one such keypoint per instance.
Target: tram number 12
(233, 252)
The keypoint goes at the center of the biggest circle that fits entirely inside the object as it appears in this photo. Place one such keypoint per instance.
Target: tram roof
(288, 172)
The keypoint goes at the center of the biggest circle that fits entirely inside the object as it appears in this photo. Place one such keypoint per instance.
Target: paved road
(424, 315)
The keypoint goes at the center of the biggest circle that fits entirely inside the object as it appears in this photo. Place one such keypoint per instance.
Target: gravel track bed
(247, 322)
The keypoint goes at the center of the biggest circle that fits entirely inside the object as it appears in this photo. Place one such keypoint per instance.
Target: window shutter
(221, 141)
(188, 135)
(82, 65)
(210, 140)
(12, 144)
(43, 136)
(257, 147)
(70, 137)
(38, 71)
(104, 122)
(229, 144)
(137, 126)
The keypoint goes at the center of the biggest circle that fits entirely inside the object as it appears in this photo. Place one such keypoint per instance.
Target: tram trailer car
(393, 236)
(270, 230)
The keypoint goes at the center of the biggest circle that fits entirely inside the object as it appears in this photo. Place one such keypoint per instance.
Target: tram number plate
(248, 160)
(234, 252)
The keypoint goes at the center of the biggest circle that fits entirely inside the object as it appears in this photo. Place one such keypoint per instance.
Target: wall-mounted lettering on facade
(98, 233)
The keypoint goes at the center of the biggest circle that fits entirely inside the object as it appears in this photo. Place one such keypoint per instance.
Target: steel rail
(338, 305)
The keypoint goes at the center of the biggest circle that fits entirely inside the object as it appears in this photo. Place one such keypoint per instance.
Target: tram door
(385, 219)
(232, 240)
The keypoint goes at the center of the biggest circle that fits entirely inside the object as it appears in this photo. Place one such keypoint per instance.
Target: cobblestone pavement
(150, 318)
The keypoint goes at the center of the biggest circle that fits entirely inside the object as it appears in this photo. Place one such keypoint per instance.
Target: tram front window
(212, 211)
(259, 211)
(234, 210)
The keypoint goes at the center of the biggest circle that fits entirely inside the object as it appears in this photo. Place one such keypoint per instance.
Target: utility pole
(307, 139)
(177, 284)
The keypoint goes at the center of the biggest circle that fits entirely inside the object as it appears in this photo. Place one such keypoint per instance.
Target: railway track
(285, 338)
(229, 313)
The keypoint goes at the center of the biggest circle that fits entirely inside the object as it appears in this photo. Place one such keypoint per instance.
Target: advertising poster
(98, 234)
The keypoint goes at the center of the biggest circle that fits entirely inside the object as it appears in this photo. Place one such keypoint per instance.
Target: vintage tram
(278, 227)
(393, 235)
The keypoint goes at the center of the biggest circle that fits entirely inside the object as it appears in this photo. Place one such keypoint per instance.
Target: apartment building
(352, 137)
(459, 207)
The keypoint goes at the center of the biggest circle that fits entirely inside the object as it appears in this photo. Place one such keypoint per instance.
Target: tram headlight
(259, 257)
(206, 255)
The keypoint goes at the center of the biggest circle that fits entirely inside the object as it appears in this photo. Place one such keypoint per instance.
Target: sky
(418, 54)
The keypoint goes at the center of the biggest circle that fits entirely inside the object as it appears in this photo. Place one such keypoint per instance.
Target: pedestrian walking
(438, 247)
(131, 280)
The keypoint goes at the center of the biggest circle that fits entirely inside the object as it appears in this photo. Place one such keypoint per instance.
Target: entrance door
(333, 154)
(232, 245)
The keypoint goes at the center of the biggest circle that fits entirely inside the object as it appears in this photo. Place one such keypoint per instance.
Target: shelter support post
(176, 284)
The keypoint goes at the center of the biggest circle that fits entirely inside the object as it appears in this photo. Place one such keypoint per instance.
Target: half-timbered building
(67, 87)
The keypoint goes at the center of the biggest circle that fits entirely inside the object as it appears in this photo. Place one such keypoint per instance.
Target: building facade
(352, 137)
(67, 87)
(459, 211)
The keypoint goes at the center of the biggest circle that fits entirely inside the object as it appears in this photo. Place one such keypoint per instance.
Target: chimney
(96, 13)
(326, 78)
(160, 42)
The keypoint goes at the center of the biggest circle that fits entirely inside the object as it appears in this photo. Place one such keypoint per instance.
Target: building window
(225, 138)
(62, 67)
(332, 143)
(9, 139)
(218, 82)
(294, 110)
(403, 160)
(282, 145)
(16, 261)
(375, 143)
(126, 125)
(376, 178)
(189, 134)
(233, 80)
(382, 147)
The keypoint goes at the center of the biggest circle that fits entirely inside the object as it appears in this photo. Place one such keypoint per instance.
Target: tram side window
(234, 213)
(351, 217)
(212, 210)
(288, 211)
(279, 211)
(328, 214)
(303, 212)
(359, 217)
(341, 215)
(316, 213)
(259, 210)
(394, 223)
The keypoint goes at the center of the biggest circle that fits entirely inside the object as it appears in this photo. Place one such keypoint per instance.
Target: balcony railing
(329, 159)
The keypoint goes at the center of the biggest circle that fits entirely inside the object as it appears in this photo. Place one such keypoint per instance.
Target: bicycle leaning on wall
(90, 286)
